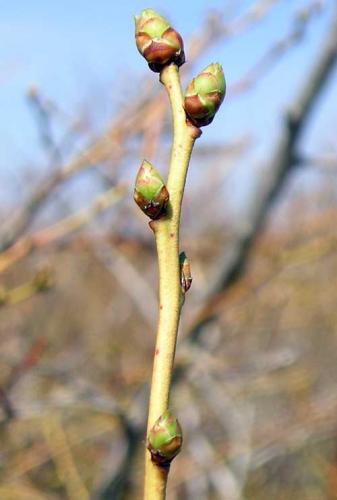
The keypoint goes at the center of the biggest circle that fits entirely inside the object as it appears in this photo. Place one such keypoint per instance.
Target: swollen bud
(150, 192)
(185, 273)
(165, 439)
(157, 41)
(205, 94)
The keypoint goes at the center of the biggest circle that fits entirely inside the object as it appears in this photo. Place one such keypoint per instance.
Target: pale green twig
(166, 231)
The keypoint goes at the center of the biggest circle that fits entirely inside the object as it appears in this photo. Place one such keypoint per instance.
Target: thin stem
(166, 232)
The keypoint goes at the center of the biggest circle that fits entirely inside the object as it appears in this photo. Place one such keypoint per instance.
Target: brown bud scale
(153, 209)
(158, 52)
(194, 107)
(159, 459)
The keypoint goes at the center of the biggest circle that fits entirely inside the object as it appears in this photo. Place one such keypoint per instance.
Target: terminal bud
(157, 41)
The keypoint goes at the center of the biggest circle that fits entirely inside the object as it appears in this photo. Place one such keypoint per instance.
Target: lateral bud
(150, 192)
(205, 94)
(165, 439)
(157, 41)
(185, 273)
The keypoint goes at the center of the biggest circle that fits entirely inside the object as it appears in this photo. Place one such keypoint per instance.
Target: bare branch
(60, 229)
(273, 177)
(274, 53)
(129, 122)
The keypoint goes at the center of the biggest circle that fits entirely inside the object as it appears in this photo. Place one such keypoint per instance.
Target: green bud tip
(157, 41)
(165, 439)
(205, 94)
(185, 273)
(150, 192)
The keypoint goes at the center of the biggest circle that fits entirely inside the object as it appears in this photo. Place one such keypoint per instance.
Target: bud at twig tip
(157, 41)
(165, 439)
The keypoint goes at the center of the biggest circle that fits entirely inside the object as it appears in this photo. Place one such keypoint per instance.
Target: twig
(41, 110)
(29, 360)
(273, 179)
(162, 203)
(276, 51)
(64, 462)
(129, 122)
(60, 229)
(6, 405)
(166, 233)
(129, 278)
(215, 29)
(118, 485)
(41, 282)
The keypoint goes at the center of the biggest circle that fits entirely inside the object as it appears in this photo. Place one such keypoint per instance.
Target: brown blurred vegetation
(255, 378)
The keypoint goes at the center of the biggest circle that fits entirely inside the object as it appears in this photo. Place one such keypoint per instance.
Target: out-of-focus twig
(272, 178)
(81, 393)
(22, 491)
(118, 484)
(42, 112)
(42, 281)
(6, 405)
(21, 219)
(60, 229)
(129, 278)
(128, 122)
(153, 126)
(277, 50)
(215, 29)
(62, 457)
(29, 360)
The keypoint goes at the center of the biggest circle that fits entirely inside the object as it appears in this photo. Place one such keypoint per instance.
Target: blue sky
(67, 48)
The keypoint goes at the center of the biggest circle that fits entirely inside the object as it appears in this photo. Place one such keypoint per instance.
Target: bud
(157, 41)
(165, 439)
(185, 272)
(150, 193)
(205, 94)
